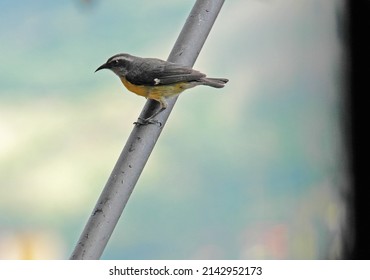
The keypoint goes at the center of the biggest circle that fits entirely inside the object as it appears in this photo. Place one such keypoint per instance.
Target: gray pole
(142, 139)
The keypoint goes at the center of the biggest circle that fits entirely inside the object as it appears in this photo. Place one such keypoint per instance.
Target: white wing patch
(156, 81)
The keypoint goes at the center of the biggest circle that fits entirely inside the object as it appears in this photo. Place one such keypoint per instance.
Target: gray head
(120, 64)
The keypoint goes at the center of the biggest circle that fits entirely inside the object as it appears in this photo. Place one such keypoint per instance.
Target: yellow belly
(155, 92)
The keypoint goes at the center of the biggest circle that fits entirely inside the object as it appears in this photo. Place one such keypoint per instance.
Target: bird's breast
(138, 89)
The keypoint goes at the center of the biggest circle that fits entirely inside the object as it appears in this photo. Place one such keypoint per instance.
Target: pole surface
(142, 139)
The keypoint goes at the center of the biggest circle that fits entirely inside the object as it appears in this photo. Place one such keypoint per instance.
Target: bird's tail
(214, 82)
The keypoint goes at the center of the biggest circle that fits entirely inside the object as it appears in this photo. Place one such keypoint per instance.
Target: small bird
(156, 79)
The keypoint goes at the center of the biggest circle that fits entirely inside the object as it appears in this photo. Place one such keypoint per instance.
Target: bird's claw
(141, 121)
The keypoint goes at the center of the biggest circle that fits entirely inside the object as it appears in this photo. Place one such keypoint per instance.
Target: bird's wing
(158, 72)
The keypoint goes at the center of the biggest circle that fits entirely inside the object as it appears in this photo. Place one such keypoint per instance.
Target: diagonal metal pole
(142, 139)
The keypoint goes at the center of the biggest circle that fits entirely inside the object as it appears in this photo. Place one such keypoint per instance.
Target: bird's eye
(115, 62)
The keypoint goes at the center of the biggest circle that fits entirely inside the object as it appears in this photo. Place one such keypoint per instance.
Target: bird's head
(120, 64)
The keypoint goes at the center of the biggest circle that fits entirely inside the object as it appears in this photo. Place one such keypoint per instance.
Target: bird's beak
(104, 66)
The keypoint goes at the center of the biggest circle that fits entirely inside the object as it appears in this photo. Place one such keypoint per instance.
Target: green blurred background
(254, 171)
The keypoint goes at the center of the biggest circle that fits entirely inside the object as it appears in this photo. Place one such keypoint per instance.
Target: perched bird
(157, 79)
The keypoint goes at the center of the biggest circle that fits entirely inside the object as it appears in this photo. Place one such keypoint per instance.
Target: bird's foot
(141, 121)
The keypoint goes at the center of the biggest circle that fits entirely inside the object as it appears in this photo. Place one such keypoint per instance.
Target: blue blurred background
(254, 171)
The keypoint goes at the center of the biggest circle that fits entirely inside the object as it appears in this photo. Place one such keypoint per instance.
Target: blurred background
(257, 170)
